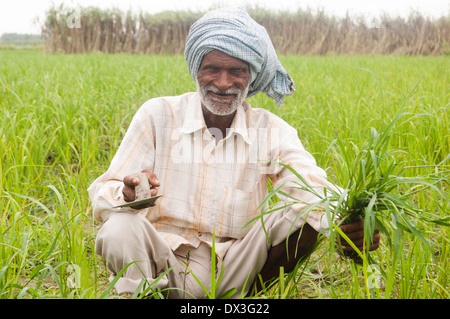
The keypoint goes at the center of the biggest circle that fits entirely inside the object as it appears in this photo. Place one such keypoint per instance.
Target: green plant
(215, 282)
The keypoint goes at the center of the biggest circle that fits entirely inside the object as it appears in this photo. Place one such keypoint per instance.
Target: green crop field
(63, 116)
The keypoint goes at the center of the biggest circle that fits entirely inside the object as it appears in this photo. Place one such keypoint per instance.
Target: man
(210, 154)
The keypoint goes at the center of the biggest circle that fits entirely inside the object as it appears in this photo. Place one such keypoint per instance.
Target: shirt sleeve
(293, 154)
(135, 153)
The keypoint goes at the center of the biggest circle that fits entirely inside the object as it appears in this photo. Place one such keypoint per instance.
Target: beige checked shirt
(206, 186)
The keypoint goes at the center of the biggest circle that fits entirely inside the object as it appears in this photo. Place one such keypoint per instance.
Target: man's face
(222, 82)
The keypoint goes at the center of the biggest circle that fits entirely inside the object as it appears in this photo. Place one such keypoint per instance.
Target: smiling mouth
(220, 95)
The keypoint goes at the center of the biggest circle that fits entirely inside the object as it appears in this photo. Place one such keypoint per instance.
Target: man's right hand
(130, 182)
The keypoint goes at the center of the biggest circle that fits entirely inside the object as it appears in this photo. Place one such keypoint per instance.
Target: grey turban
(235, 33)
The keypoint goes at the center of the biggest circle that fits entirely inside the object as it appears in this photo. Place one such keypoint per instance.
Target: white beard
(218, 106)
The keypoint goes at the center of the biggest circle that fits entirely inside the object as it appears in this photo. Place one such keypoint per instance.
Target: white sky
(18, 16)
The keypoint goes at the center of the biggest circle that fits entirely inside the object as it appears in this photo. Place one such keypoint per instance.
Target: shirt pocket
(237, 209)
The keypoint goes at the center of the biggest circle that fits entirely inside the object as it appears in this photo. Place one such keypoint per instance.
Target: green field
(63, 116)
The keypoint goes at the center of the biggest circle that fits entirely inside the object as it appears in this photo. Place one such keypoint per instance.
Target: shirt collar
(195, 121)
(239, 125)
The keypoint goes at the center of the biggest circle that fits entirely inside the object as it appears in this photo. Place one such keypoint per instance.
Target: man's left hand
(355, 232)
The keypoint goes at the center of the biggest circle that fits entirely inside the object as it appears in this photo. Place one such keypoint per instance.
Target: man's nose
(223, 80)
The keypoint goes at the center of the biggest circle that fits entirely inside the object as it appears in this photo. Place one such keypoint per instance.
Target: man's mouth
(221, 102)
(227, 94)
(221, 95)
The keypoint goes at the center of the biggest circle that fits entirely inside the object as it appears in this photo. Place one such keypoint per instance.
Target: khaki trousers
(129, 237)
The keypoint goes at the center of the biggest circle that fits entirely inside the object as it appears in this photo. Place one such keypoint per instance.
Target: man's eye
(212, 69)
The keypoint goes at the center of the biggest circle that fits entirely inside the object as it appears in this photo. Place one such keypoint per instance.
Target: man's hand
(355, 232)
(130, 182)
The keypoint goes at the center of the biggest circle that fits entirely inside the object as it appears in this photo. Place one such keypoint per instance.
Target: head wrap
(234, 32)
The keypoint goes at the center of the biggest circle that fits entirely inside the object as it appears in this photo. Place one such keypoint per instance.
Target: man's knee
(305, 239)
(300, 244)
(120, 231)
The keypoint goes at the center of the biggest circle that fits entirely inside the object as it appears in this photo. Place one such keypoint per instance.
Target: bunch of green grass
(384, 199)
